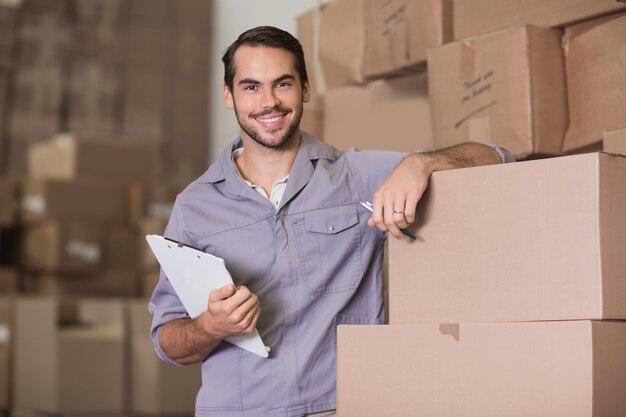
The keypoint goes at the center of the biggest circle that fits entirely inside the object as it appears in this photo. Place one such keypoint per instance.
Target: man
(282, 209)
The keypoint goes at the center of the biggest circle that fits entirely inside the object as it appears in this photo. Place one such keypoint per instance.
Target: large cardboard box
(557, 369)
(473, 17)
(157, 387)
(506, 87)
(8, 198)
(76, 367)
(341, 43)
(534, 240)
(596, 79)
(398, 33)
(76, 200)
(72, 156)
(614, 141)
(392, 114)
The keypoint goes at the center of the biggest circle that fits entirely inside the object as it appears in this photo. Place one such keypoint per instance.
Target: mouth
(270, 120)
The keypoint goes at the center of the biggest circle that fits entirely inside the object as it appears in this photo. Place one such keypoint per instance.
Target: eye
(283, 84)
(250, 87)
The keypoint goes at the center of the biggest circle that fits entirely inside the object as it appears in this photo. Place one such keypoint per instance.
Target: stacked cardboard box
(510, 300)
(365, 62)
(75, 367)
(596, 80)
(133, 70)
(80, 210)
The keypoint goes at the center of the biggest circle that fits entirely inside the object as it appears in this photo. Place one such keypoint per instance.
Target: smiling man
(282, 209)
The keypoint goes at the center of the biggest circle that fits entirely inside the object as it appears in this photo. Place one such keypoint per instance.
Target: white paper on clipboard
(194, 274)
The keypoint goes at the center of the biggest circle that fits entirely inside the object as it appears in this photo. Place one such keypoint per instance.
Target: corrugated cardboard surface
(342, 42)
(506, 87)
(535, 240)
(473, 17)
(391, 114)
(614, 141)
(557, 369)
(596, 79)
(398, 32)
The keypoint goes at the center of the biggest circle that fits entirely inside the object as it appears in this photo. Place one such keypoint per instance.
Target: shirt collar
(310, 148)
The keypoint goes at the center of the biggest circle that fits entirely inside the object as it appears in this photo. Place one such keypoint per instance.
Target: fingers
(236, 314)
(222, 293)
(389, 213)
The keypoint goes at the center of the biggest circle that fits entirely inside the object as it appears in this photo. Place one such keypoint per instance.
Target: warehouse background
(108, 108)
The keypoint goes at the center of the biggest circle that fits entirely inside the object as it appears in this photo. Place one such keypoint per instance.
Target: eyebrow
(250, 81)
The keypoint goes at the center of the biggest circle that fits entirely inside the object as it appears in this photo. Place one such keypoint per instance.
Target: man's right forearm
(185, 341)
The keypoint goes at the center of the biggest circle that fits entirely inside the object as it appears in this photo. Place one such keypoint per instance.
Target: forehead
(262, 62)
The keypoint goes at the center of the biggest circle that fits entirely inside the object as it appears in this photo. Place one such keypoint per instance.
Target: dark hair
(264, 36)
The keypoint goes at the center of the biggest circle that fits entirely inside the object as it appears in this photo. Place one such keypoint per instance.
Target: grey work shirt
(313, 262)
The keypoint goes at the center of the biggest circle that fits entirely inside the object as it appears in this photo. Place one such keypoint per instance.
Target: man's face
(267, 95)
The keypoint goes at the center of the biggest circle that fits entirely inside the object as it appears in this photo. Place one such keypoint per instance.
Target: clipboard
(194, 274)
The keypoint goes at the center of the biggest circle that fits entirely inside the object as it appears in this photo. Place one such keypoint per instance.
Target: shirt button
(331, 228)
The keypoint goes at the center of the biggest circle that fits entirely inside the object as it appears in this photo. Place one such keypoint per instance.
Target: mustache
(272, 110)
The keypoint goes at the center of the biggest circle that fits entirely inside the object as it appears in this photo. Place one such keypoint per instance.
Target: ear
(228, 97)
(306, 92)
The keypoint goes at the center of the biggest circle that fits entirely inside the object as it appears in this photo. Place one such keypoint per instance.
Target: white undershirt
(278, 188)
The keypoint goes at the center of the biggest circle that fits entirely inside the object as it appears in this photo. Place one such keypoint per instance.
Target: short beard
(256, 136)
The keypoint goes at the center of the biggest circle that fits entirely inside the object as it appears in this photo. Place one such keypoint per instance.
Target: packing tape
(451, 329)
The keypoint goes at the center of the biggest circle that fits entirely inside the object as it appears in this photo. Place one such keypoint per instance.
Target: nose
(270, 100)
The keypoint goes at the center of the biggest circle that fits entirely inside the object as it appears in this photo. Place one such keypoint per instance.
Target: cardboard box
(70, 368)
(341, 43)
(391, 114)
(75, 200)
(557, 369)
(506, 87)
(71, 156)
(596, 79)
(157, 387)
(77, 247)
(615, 141)
(474, 17)
(8, 199)
(534, 240)
(398, 33)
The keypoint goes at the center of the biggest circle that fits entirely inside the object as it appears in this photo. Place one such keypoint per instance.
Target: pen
(368, 206)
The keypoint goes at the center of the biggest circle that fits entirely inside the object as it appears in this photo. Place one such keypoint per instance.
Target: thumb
(222, 293)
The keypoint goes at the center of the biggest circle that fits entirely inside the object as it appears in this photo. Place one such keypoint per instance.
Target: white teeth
(272, 120)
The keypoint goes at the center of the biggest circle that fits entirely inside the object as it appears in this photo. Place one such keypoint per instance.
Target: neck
(264, 166)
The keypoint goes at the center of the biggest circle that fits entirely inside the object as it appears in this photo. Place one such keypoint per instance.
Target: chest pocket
(327, 242)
